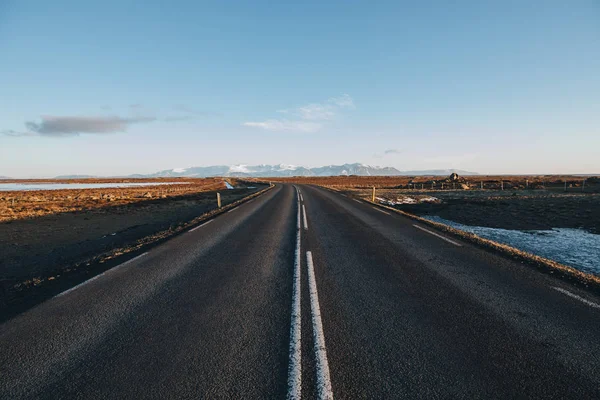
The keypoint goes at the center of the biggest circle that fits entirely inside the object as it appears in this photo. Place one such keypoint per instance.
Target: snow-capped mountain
(282, 170)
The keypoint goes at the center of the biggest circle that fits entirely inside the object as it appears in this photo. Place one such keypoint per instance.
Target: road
(303, 292)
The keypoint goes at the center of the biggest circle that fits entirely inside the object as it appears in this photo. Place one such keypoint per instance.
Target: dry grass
(29, 204)
(490, 182)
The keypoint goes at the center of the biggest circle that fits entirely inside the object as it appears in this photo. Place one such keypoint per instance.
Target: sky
(121, 87)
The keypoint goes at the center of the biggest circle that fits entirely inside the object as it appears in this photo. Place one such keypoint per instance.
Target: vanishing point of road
(306, 293)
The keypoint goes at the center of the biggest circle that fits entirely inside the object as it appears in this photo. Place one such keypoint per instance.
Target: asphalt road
(309, 293)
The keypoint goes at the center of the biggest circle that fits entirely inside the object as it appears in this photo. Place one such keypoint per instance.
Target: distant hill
(5, 177)
(283, 170)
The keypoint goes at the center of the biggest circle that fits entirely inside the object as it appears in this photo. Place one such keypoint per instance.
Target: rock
(464, 186)
(147, 195)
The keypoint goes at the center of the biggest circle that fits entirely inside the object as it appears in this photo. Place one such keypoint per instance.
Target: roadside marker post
(219, 200)
(373, 197)
(583, 186)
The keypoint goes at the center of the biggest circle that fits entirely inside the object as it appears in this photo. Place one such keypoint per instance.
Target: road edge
(562, 271)
(114, 256)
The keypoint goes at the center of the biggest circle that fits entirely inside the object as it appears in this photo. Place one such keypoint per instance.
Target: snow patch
(239, 168)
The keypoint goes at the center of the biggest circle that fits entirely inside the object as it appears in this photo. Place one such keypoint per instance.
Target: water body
(573, 247)
(4, 187)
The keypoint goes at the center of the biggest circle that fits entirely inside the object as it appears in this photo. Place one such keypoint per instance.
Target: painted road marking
(358, 201)
(294, 382)
(201, 225)
(573, 295)
(231, 210)
(305, 222)
(440, 236)
(301, 198)
(343, 194)
(99, 275)
(323, 380)
(380, 210)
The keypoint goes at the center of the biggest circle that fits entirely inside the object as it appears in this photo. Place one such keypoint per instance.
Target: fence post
(373, 197)
(219, 200)
(481, 185)
(565, 185)
(583, 186)
(526, 183)
(501, 185)
(453, 185)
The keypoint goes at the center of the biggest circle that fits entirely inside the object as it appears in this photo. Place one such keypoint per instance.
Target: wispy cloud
(285, 125)
(60, 126)
(387, 153)
(308, 118)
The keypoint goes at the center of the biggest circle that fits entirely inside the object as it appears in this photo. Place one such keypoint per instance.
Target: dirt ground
(522, 210)
(45, 246)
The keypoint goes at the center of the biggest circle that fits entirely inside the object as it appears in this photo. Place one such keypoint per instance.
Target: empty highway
(306, 293)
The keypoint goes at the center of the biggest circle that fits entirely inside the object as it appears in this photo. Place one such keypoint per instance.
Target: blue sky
(121, 87)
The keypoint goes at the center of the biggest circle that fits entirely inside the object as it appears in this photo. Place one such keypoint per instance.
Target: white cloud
(285, 125)
(344, 101)
(308, 118)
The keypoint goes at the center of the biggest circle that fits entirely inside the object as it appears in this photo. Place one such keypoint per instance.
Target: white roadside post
(219, 200)
(373, 196)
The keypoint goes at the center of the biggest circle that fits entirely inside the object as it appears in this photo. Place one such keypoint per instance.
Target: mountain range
(283, 170)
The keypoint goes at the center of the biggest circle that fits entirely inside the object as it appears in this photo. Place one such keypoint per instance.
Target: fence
(565, 185)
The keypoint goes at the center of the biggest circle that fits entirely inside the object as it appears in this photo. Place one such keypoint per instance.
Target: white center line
(323, 380)
(343, 194)
(295, 362)
(231, 210)
(99, 275)
(305, 221)
(301, 198)
(380, 210)
(201, 225)
(440, 236)
(358, 201)
(573, 295)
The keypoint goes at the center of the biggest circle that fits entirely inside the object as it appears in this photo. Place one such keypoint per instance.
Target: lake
(4, 187)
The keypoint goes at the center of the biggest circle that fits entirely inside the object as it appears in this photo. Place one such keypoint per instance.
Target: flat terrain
(35, 249)
(493, 182)
(313, 292)
(522, 210)
(21, 204)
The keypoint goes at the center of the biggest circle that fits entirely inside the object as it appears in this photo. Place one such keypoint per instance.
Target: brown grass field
(16, 205)
(493, 182)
